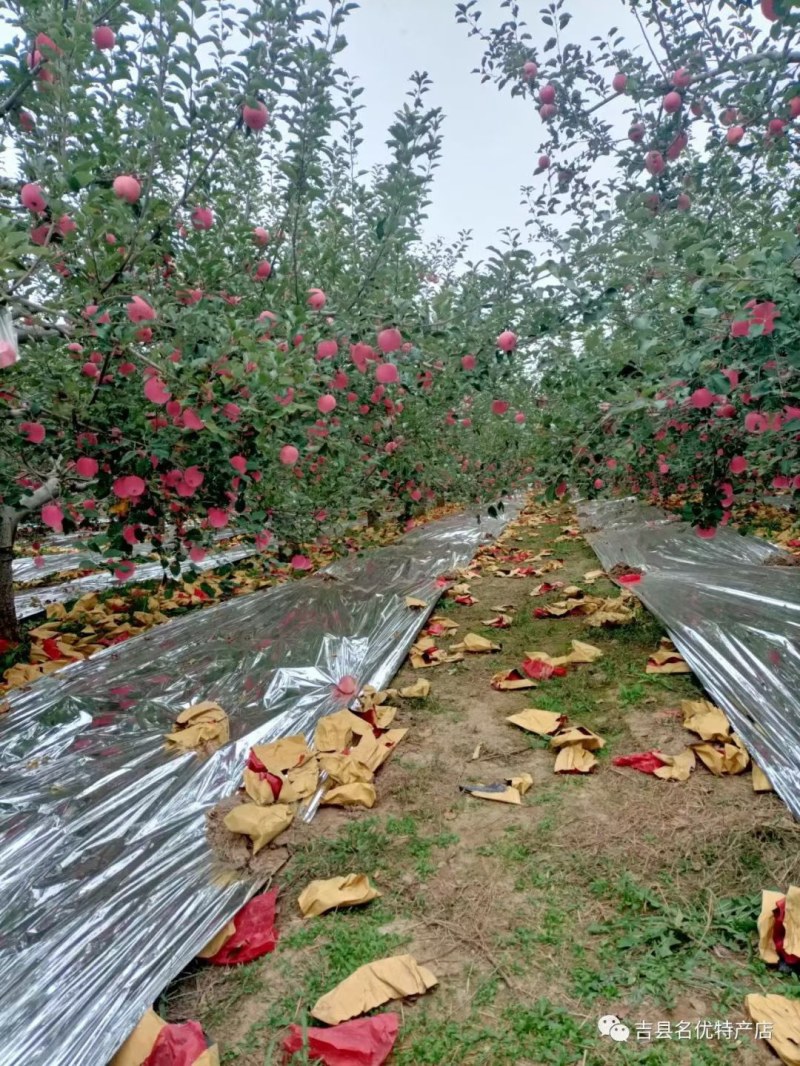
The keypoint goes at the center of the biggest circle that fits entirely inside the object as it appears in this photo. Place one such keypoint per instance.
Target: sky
(490, 138)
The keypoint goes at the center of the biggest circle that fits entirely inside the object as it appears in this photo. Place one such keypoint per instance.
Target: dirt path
(612, 892)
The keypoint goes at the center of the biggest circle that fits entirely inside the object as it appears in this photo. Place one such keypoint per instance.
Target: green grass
(593, 932)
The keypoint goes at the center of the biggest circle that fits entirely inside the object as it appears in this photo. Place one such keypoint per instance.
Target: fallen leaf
(357, 794)
(350, 891)
(502, 621)
(784, 1016)
(371, 986)
(261, 824)
(703, 718)
(593, 575)
(545, 723)
(476, 753)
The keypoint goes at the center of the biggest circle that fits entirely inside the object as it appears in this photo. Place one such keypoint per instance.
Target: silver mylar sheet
(106, 887)
(35, 600)
(25, 567)
(735, 621)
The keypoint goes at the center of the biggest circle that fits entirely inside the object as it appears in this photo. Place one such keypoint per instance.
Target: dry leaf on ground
(350, 891)
(371, 986)
(412, 601)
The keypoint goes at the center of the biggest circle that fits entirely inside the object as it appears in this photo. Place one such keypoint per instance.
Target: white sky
(490, 137)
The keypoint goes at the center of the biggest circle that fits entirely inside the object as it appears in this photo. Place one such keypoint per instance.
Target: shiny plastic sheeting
(35, 601)
(107, 880)
(25, 568)
(735, 620)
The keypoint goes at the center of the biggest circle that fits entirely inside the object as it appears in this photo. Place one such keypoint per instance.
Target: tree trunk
(9, 629)
(9, 520)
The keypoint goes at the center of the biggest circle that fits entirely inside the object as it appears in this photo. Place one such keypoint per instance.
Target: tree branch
(11, 101)
(40, 496)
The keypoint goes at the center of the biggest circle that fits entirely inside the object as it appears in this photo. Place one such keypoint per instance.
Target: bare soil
(525, 910)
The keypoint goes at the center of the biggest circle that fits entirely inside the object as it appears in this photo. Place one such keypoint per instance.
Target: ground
(608, 893)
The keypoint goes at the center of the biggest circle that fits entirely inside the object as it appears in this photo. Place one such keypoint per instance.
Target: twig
(11, 101)
(475, 941)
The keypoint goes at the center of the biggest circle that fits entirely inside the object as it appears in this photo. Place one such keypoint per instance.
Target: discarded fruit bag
(779, 934)
(363, 1042)
(646, 762)
(182, 1045)
(154, 1042)
(255, 932)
